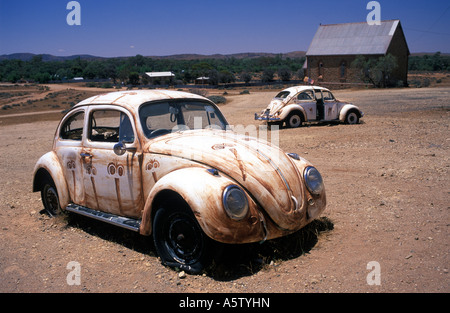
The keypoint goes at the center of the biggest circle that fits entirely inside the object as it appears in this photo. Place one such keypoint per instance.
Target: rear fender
(291, 108)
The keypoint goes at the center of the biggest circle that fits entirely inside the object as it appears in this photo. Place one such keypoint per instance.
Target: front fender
(203, 192)
(49, 163)
(345, 109)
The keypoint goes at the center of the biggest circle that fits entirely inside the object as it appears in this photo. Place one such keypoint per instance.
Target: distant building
(202, 80)
(335, 46)
(160, 78)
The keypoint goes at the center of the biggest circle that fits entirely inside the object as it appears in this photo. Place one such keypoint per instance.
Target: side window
(318, 94)
(327, 96)
(110, 126)
(126, 133)
(72, 128)
(306, 95)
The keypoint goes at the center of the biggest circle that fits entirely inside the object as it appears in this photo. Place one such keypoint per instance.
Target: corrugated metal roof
(160, 74)
(353, 38)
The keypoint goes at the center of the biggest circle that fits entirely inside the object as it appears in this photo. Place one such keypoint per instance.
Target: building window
(320, 71)
(343, 69)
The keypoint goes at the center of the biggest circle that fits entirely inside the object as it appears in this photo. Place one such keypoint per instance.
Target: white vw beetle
(300, 104)
(165, 163)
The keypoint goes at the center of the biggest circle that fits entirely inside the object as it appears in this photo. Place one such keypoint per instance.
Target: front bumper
(265, 117)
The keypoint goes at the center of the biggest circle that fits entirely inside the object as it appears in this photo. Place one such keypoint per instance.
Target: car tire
(294, 120)
(50, 199)
(352, 118)
(179, 240)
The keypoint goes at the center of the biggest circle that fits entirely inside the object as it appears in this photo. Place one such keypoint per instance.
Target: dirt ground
(388, 189)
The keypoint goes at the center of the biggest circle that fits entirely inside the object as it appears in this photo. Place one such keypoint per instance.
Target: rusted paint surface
(90, 174)
(303, 100)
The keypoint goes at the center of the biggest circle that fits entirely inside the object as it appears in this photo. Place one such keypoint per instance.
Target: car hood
(269, 176)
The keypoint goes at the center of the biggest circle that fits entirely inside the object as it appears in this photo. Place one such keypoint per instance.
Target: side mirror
(120, 148)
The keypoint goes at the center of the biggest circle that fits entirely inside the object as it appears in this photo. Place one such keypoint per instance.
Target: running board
(128, 223)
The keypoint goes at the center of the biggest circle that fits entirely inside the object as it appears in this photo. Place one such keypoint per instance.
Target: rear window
(282, 95)
(72, 128)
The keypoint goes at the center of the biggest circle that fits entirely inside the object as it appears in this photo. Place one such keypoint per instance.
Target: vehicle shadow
(124, 237)
(229, 262)
(315, 124)
(235, 261)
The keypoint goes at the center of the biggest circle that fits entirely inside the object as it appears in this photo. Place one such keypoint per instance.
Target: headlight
(313, 180)
(235, 202)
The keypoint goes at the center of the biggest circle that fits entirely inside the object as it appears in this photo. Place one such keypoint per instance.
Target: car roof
(297, 89)
(132, 99)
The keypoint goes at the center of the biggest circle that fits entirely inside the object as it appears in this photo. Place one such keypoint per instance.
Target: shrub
(217, 99)
(107, 85)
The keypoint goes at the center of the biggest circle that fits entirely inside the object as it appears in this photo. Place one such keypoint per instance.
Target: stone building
(335, 46)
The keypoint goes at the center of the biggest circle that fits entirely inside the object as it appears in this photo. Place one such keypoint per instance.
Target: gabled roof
(353, 38)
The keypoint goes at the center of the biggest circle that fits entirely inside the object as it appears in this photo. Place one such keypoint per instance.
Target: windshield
(159, 118)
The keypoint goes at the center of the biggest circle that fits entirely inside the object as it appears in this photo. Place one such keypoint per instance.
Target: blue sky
(126, 28)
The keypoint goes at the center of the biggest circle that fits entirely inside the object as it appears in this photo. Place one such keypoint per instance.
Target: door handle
(85, 155)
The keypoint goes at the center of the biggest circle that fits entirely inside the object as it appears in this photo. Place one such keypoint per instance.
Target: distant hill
(49, 57)
(421, 54)
(245, 55)
(186, 56)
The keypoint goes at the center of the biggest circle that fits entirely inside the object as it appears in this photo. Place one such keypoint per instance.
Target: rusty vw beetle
(166, 164)
(303, 104)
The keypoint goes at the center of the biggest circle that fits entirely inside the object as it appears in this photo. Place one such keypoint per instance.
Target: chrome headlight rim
(313, 180)
(235, 202)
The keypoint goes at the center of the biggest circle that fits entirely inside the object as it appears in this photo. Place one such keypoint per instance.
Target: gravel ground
(387, 183)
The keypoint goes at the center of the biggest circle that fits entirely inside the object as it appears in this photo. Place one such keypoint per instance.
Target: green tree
(267, 75)
(134, 78)
(213, 77)
(226, 77)
(285, 73)
(123, 73)
(376, 71)
(246, 77)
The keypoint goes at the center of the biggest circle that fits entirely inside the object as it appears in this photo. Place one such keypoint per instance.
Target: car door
(112, 182)
(68, 146)
(330, 106)
(306, 100)
(319, 104)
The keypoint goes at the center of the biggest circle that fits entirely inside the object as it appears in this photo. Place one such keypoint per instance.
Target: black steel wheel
(294, 120)
(352, 118)
(50, 199)
(179, 240)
